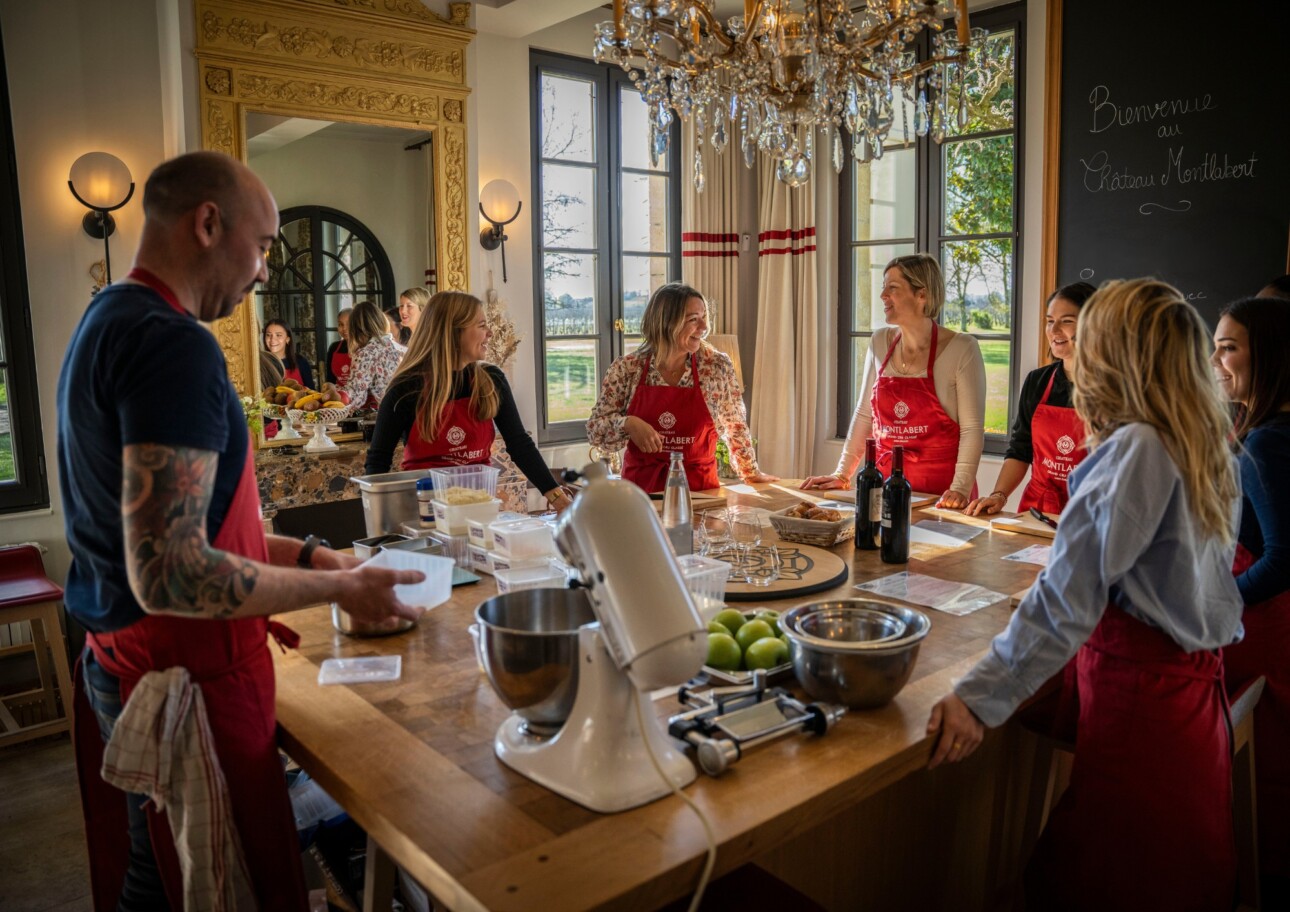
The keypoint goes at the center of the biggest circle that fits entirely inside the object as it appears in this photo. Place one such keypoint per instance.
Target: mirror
(356, 213)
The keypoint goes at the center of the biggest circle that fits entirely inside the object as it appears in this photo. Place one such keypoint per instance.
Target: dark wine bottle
(897, 504)
(869, 499)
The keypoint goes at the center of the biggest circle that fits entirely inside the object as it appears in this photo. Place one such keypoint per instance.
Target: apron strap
(931, 353)
(1049, 388)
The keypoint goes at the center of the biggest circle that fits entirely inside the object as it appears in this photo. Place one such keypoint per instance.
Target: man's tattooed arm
(173, 569)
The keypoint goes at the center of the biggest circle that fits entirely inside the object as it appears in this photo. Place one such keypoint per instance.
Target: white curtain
(785, 388)
(709, 229)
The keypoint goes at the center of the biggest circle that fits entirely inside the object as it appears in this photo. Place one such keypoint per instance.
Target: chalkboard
(1174, 159)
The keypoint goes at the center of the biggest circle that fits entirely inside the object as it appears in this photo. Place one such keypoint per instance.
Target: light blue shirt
(1126, 536)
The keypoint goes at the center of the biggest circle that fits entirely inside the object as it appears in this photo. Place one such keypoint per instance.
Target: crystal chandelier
(787, 70)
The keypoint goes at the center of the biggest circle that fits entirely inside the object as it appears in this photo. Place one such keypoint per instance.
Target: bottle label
(875, 505)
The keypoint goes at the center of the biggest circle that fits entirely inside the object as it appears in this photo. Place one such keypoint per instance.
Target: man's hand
(647, 439)
(960, 731)
(368, 594)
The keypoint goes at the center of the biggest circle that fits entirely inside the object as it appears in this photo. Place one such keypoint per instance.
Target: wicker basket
(813, 531)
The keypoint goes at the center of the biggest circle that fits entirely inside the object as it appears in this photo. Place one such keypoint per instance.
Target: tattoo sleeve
(173, 569)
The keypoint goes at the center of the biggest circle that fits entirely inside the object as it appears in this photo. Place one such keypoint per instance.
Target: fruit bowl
(302, 418)
(742, 675)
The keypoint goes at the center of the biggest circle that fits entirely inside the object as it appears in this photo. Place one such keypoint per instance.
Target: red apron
(462, 440)
(293, 374)
(231, 662)
(681, 417)
(1266, 651)
(906, 412)
(340, 361)
(1057, 436)
(1147, 820)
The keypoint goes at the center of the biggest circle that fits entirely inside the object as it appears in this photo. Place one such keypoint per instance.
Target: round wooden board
(805, 569)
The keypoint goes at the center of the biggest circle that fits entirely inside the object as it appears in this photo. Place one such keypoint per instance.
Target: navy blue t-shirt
(136, 371)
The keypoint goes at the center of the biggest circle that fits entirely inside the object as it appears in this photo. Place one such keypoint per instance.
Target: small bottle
(678, 517)
(869, 499)
(425, 501)
(897, 505)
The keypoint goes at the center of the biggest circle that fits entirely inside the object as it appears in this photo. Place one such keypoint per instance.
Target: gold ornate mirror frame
(385, 62)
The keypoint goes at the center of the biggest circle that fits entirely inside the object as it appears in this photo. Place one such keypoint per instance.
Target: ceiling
(269, 132)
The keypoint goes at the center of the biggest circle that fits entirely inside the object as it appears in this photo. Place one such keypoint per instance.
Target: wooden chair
(26, 594)
(1054, 759)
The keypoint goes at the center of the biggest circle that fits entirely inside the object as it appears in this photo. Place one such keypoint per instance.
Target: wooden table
(851, 818)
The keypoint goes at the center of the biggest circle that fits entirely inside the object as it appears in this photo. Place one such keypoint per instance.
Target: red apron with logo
(462, 440)
(1057, 437)
(1266, 651)
(230, 661)
(340, 361)
(293, 374)
(681, 417)
(1147, 820)
(906, 412)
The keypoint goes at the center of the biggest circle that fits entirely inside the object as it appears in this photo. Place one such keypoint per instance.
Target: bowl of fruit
(740, 642)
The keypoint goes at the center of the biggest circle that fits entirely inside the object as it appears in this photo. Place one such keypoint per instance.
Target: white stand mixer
(648, 636)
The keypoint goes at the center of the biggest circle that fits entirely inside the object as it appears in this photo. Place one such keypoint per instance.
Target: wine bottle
(868, 499)
(897, 505)
(678, 517)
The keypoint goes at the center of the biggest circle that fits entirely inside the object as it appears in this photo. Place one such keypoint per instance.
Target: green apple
(731, 618)
(714, 627)
(723, 652)
(752, 632)
(771, 617)
(766, 653)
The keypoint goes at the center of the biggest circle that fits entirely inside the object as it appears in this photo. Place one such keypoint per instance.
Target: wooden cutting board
(791, 486)
(804, 569)
(1022, 524)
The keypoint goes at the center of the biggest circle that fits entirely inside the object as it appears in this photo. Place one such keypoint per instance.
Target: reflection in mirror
(356, 222)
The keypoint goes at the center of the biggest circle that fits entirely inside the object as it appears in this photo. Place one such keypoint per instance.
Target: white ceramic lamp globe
(499, 204)
(101, 182)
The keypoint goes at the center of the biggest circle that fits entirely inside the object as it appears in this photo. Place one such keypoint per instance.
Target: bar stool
(1054, 758)
(26, 594)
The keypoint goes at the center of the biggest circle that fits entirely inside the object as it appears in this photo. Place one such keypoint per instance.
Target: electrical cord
(676, 790)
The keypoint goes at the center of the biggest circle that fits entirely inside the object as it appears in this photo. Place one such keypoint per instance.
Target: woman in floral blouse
(689, 397)
(375, 354)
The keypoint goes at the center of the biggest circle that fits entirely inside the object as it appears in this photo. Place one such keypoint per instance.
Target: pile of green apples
(737, 642)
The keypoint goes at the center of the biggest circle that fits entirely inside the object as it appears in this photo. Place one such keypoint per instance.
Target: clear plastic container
(477, 477)
(455, 546)
(523, 539)
(498, 561)
(479, 559)
(454, 518)
(706, 579)
(480, 532)
(544, 577)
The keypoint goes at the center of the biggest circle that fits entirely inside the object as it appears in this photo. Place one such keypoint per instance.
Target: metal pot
(528, 646)
(843, 653)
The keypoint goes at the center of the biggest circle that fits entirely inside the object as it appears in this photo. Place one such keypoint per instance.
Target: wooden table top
(412, 760)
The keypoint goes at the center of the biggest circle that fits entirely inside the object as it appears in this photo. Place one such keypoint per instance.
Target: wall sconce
(102, 183)
(496, 199)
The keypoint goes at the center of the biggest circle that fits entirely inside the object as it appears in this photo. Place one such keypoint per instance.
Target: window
(960, 200)
(322, 262)
(23, 484)
(610, 230)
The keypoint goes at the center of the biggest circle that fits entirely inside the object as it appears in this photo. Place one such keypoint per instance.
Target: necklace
(904, 368)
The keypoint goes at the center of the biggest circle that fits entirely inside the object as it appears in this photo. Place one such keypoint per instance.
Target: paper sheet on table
(1035, 554)
(942, 534)
(931, 592)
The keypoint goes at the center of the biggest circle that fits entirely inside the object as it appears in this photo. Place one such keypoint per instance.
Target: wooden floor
(43, 867)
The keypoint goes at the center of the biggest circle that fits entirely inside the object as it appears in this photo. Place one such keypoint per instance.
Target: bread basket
(821, 533)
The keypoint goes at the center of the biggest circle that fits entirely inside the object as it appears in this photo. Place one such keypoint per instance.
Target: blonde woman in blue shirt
(1139, 590)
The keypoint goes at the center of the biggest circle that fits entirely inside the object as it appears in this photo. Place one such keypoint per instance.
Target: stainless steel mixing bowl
(528, 645)
(842, 653)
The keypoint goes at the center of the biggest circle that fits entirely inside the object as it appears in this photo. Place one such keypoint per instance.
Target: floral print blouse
(370, 371)
(722, 392)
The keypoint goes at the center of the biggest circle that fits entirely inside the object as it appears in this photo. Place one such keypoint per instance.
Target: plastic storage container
(544, 577)
(706, 579)
(479, 559)
(523, 539)
(453, 518)
(480, 533)
(477, 477)
(389, 500)
(455, 546)
(498, 561)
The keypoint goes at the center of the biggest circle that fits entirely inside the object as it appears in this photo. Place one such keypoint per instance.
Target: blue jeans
(143, 890)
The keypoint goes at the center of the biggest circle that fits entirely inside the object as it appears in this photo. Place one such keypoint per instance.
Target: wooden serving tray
(804, 569)
(793, 485)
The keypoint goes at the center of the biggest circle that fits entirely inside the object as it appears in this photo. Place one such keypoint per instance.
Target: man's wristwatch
(305, 558)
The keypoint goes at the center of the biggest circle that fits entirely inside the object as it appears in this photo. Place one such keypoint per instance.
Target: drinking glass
(745, 531)
(712, 529)
(763, 565)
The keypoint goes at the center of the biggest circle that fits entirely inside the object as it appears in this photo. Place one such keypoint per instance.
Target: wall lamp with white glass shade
(498, 198)
(102, 183)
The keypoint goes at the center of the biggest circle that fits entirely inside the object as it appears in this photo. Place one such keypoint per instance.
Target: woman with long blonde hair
(449, 404)
(412, 303)
(1139, 589)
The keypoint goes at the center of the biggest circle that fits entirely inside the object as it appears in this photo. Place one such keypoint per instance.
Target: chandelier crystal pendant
(788, 69)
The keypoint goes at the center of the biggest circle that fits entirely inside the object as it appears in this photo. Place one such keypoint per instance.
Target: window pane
(572, 379)
(978, 285)
(569, 288)
(568, 206)
(867, 264)
(644, 208)
(997, 354)
(859, 349)
(641, 275)
(634, 117)
(884, 197)
(978, 186)
(568, 118)
(990, 89)
(7, 470)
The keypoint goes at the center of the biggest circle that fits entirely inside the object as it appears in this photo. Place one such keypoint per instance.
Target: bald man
(170, 563)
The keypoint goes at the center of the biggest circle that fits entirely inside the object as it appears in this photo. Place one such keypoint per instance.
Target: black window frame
(610, 341)
(929, 225)
(30, 489)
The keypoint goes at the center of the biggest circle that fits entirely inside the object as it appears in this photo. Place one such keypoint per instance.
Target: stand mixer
(647, 635)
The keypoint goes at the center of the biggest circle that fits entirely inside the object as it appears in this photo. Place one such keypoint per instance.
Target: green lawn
(7, 472)
(997, 355)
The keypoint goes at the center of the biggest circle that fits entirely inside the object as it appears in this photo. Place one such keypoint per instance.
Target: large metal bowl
(842, 654)
(528, 645)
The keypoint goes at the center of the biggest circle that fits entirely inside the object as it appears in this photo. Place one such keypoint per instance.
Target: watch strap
(305, 558)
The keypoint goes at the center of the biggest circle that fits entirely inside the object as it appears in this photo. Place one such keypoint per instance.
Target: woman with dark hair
(675, 392)
(1252, 369)
(278, 342)
(338, 359)
(376, 356)
(1277, 288)
(1047, 437)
